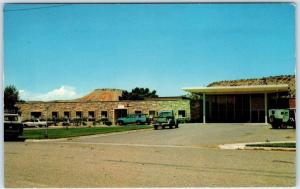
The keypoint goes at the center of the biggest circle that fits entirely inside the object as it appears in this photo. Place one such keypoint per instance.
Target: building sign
(121, 106)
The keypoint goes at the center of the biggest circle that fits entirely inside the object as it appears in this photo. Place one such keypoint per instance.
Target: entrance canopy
(251, 89)
(237, 104)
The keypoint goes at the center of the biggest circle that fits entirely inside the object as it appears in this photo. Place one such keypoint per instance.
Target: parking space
(199, 135)
(183, 157)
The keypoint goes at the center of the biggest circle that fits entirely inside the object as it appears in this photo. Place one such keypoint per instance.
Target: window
(181, 113)
(67, 115)
(36, 115)
(138, 112)
(54, 115)
(91, 116)
(152, 113)
(104, 114)
(78, 114)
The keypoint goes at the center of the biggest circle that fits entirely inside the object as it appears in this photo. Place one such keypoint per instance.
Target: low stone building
(103, 103)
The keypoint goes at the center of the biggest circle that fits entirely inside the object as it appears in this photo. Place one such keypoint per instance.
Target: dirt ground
(184, 157)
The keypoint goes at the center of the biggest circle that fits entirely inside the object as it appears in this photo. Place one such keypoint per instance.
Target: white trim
(238, 89)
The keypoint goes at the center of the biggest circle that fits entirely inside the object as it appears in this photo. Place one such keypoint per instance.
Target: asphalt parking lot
(184, 157)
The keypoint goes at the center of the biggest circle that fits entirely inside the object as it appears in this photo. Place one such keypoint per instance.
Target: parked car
(134, 118)
(13, 127)
(282, 118)
(66, 122)
(165, 118)
(35, 123)
(105, 121)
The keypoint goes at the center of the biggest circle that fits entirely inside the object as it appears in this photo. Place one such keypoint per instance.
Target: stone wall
(97, 107)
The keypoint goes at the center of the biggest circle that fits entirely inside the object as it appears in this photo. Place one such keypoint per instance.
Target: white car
(35, 123)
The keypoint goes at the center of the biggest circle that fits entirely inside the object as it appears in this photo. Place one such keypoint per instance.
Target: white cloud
(61, 93)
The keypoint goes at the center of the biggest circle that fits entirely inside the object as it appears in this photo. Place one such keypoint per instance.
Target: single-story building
(240, 101)
(103, 103)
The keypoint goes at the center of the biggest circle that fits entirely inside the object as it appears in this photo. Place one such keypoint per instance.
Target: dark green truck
(165, 119)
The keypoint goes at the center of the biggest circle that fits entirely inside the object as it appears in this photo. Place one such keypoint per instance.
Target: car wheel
(283, 126)
(138, 122)
(155, 127)
(271, 119)
(120, 123)
(171, 127)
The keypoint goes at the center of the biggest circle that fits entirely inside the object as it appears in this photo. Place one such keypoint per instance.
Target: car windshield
(165, 114)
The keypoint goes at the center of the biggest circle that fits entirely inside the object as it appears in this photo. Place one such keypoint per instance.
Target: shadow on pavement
(20, 139)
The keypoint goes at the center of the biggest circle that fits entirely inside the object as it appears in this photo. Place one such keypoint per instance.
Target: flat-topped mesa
(104, 94)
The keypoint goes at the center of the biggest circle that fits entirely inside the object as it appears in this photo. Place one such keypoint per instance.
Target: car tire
(120, 123)
(271, 119)
(155, 127)
(283, 126)
(138, 122)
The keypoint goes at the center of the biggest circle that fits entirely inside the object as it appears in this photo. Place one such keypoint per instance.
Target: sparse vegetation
(281, 79)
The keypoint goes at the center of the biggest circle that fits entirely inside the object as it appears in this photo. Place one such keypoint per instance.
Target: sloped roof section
(102, 95)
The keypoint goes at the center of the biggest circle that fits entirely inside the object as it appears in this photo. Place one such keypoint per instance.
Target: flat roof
(243, 89)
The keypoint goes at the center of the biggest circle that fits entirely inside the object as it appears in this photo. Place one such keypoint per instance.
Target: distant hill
(272, 80)
(102, 95)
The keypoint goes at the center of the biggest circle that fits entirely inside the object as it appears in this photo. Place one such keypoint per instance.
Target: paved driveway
(182, 157)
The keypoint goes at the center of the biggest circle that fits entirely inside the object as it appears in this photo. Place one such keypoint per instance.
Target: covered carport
(237, 103)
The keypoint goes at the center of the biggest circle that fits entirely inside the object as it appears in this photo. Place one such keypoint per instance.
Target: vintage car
(165, 119)
(35, 123)
(133, 119)
(282, 118)
(13, 128)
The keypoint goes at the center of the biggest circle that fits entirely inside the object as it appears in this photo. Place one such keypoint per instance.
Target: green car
(282, 118)
(134, 119)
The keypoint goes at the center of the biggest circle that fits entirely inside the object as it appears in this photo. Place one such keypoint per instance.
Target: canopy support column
(266, 108)
(250, 104)
(204, 110)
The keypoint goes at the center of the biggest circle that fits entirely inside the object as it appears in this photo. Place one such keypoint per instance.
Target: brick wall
(97, 107)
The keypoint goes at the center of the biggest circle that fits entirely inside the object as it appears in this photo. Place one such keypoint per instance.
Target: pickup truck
(282, 118)
(35, 123)
(133, 119)
(13, 127)
(165, 118)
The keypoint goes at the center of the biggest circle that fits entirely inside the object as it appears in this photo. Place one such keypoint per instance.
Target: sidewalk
(242, 146)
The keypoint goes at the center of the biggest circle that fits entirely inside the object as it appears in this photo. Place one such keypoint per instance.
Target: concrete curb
(242, 146)
(86, 136)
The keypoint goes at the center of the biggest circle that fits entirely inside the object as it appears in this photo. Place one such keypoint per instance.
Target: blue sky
(67, 51)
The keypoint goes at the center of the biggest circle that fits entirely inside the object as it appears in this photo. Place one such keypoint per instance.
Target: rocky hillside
(102, 95)
(272, 80)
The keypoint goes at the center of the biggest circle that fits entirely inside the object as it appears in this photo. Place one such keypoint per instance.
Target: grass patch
(73, 132)
(276, 145)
